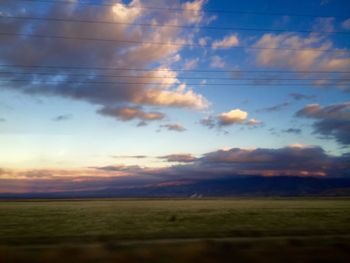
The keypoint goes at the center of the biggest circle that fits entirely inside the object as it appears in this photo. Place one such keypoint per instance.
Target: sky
(143, 92)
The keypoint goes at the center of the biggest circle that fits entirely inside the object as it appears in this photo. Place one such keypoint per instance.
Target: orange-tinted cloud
(293, 160)
(232, 117)
(131, 113)
(227, 42)
(292, 51)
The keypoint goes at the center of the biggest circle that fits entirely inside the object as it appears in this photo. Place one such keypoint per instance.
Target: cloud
(195, 14)
(283, 52)
(232, 117)
(127, 13)
(217, 62)
(300, 60)
(330, 121)
(157, 86)
(292, 130)
(227, 42)
(191, 63)
(95, 178)
(119, 168)
(38, 174)
(275, 108)
(324, 24)
(253, 122)
(62, 117)
(180, 98)
(2, 119)
(324, 2)
(346, 24)
(209, 122)
(131, 113)
(179, 158)
(4, 173)
(289, 160)
(293, 160)
(174, 127)
(203, 41)
(130, 156)
(299, 96)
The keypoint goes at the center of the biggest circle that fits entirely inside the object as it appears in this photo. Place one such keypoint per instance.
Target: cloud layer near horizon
(295, 160)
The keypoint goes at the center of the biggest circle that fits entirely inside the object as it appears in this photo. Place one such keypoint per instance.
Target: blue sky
(58, 118)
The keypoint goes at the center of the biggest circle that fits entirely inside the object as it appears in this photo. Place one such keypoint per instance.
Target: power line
(166, 44)
(158, 84)
(175, 69)
(66, 20)
(195, 12)
(164, 77)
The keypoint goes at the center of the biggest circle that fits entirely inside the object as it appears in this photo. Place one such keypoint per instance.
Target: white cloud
(203, 41)
(227, 42)
(191, 63)
(232, 117)
(346, 24)
(179, 98)
(127, 13)
(217, 62)
(195, 14)
(253, 122)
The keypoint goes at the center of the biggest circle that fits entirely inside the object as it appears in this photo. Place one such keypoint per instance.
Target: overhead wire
(37, 82)
(179, 9)
(166, 43)
(64, 67)
(152, 25)
(167, 77)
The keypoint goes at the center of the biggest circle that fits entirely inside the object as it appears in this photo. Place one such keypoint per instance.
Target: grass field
(169, 230)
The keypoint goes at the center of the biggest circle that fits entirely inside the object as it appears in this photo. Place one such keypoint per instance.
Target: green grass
(258, 230)
(95, 220)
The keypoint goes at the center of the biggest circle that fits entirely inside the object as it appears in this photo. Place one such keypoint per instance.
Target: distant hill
(223, 187)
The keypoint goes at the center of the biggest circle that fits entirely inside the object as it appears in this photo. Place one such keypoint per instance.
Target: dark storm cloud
(293, 160)
(330, 121)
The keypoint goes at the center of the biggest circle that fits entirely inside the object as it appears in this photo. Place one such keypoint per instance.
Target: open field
(165, 230)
